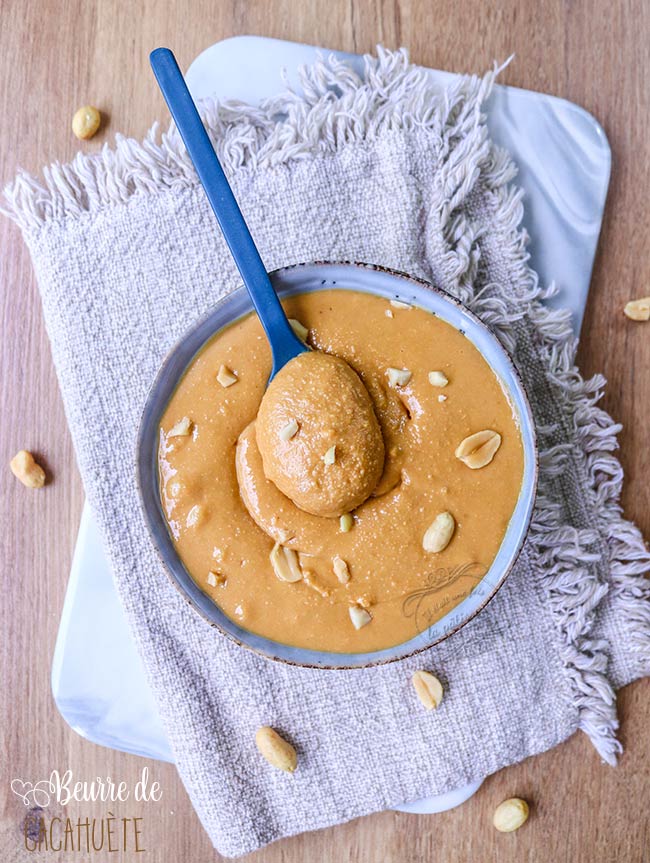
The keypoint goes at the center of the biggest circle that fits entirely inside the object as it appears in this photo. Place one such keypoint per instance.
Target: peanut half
(478, 449)
(25, 468)
(285, 563)
(638, 310)
(277, 751)
(86, 122)
(428, 689)
(510, 815)
(439, 533)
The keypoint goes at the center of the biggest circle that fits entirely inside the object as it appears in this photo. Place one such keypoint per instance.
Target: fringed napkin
(388, 170)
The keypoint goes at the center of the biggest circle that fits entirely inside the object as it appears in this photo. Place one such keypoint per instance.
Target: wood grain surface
(55, 56)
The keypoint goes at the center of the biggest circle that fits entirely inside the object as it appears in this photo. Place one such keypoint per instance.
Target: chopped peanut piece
(312, 581)
(193, 516)
(346, 522)
(182, 428)
(330, 455)
(438, 379)
(359, 616)
(341, 569)
(289, 431)
(398, 377)
(216, 578)
(299, 329)
(226, 377)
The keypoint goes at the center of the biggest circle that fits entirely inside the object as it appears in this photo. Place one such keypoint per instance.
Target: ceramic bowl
(368, 279)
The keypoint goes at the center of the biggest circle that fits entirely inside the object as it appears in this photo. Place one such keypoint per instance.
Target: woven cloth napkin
(387, 169)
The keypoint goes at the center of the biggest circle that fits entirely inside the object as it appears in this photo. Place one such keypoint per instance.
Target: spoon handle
(284, 343)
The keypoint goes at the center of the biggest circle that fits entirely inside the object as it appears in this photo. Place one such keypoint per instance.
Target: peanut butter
(351, 581)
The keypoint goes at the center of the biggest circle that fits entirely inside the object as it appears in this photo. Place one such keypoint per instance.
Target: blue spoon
(285, 345)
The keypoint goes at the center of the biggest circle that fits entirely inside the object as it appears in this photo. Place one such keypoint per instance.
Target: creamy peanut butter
(317, 581)
(318, 435)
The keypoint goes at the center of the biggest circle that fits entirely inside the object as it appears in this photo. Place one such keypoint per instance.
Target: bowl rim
(142, 441)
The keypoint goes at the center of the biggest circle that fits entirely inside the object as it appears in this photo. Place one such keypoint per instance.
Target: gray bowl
(368, 279)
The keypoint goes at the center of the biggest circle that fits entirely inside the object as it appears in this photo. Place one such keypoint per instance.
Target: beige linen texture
(381, 169)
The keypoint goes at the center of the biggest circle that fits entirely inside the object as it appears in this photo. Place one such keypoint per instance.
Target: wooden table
(56, 56)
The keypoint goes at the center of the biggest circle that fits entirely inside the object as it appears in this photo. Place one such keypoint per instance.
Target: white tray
(98, 680)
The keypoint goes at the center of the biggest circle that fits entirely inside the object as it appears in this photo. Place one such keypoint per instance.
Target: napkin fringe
(571, 557)
(576, 556)
(336, 107)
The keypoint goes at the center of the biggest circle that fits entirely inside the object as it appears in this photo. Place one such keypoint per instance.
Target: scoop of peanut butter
(318, 435)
